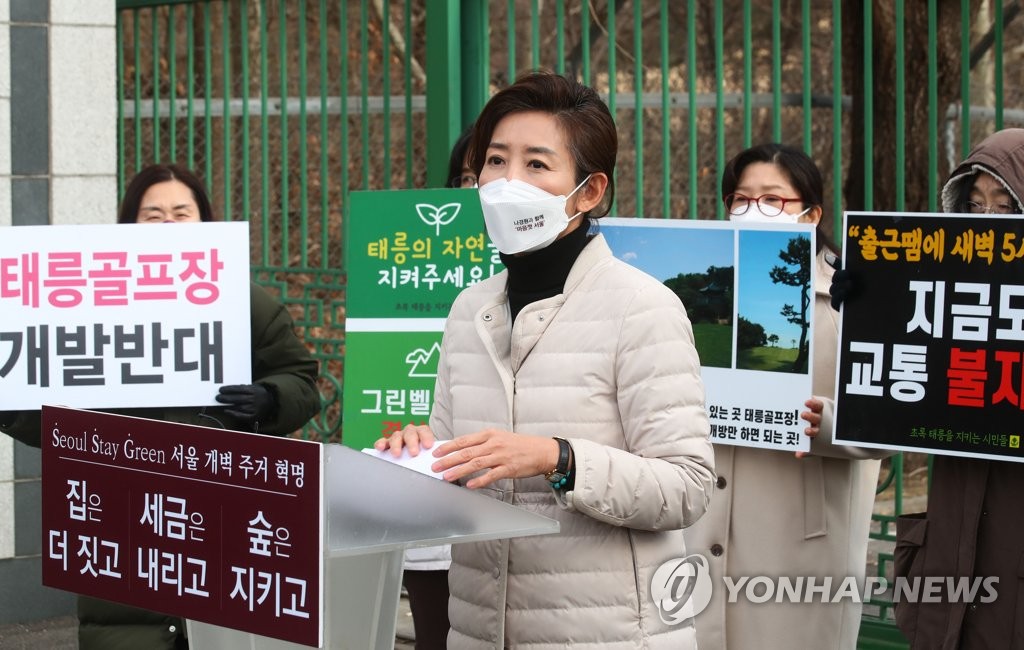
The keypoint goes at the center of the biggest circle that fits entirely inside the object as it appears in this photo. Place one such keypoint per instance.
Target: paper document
(420, 463)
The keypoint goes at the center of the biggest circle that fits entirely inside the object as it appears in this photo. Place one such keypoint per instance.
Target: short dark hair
(799, 170)
(583, 117)
(161, 173)
(457, 158)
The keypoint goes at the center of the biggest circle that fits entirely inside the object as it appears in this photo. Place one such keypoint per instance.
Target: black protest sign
(931, 342)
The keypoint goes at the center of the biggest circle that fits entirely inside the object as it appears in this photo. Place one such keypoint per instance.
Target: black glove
(845, 287)
(249, 402)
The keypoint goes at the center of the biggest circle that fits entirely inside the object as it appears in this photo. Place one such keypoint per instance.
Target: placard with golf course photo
(748, 291)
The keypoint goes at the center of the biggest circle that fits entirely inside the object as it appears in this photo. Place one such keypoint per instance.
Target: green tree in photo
(707, 296)
(708, 301)
(749, 335)
(796, 273)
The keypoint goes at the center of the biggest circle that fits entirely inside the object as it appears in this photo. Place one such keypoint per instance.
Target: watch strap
(561, 469)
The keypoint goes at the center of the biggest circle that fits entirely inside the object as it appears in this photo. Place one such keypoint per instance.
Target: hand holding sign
(249, 402)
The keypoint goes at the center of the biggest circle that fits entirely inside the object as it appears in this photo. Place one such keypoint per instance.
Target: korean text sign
(114, 316)
(208, 524)
(409, 253)
(749, 293)
(931, 358)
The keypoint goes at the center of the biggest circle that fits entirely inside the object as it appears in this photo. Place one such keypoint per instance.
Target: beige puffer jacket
(610, 365)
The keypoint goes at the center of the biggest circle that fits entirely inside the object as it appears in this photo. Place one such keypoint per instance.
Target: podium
(373, 511)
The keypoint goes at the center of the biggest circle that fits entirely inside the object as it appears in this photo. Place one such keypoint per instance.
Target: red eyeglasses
(771, 205)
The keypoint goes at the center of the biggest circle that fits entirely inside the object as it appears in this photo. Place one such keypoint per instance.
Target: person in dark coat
(281, 399)
(972, 531)
(973, 528)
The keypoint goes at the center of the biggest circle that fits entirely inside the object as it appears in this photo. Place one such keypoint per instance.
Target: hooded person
(972, 528)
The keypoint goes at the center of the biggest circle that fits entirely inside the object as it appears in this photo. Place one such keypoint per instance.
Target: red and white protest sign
(158, 314)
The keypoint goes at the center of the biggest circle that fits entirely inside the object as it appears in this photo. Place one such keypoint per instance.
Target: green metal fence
(284, 106)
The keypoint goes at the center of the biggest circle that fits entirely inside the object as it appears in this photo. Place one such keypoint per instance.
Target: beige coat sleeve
(664, 478)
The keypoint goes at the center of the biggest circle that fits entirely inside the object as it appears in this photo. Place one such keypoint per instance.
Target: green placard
(389, 382)
(409, 253)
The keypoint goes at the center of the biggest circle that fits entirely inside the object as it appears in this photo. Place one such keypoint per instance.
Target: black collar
(542, 274)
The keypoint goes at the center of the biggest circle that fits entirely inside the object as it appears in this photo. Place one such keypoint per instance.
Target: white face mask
(522, 218)
(754, 215)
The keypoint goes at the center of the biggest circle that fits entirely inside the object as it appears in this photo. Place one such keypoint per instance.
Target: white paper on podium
(420, 463)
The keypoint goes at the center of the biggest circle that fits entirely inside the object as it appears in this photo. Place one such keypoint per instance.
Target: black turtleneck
(542, 274)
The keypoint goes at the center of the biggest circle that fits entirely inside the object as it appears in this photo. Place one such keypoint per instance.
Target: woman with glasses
(774, 513)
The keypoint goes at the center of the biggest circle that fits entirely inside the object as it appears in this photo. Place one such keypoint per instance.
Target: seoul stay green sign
(409, 253)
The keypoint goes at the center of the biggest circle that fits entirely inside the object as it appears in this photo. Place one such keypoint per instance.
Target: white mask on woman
(522, 218)
(753, 214)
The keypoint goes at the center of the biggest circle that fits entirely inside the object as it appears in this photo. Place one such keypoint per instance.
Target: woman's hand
(413, 437)
(500, 454)
(813, 417)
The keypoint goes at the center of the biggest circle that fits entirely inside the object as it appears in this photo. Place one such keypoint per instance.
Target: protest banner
(748, 290)
(409, 253)
(111, 316)
(931, 354)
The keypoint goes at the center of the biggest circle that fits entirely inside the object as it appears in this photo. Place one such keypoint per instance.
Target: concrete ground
(52, 633)
(62, 633)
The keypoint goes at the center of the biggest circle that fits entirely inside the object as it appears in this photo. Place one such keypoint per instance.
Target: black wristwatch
(560, 473)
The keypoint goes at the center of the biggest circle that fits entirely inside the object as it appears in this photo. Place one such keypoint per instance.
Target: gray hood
(1000, 155)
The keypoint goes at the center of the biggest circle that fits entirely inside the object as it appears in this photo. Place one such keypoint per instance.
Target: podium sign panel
(365, 541)
(208, 524)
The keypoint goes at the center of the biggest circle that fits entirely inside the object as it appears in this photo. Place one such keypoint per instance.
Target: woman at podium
(568, 385)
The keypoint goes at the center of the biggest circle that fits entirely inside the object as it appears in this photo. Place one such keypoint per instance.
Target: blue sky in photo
(667, 252)
(761, 300)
